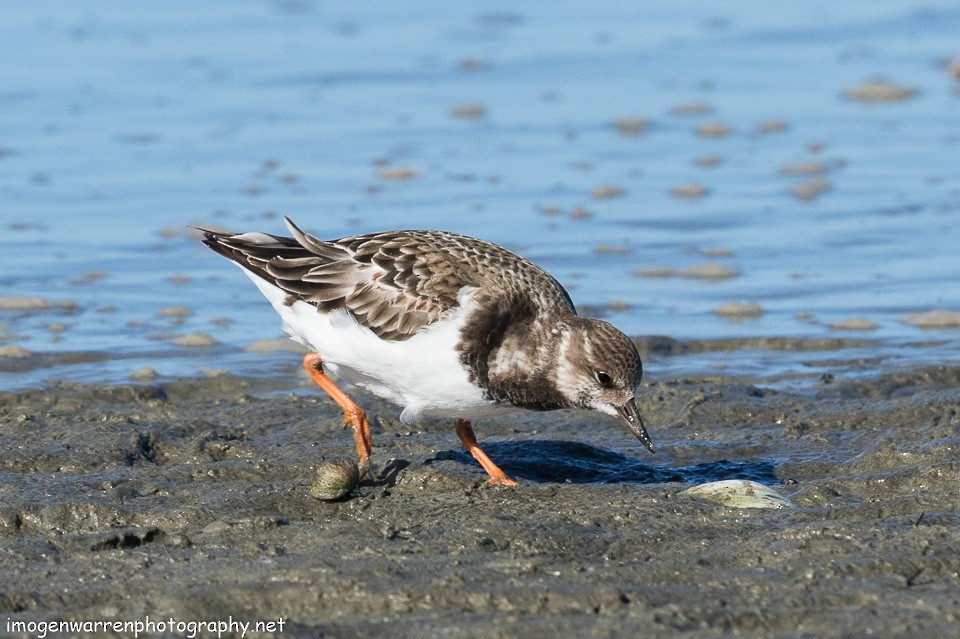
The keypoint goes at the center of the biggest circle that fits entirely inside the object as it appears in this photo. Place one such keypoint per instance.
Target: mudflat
(188, 500)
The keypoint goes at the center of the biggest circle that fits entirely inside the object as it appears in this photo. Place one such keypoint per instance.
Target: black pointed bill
(631, 417)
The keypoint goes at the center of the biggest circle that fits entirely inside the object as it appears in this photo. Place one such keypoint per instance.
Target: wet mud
(191, 498)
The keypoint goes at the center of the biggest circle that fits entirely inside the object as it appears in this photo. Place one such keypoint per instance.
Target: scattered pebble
(335, 479)
(12, 350)
(549, 209)
(811, 189)
(804, 168)
(854, 324)
(709, 271)
(718, 251)
(176, 314)
(935, 319)
(773, 126)
(606, 192)
(631, 126)
(280, 344)
(714, 130)
(618, 306)
(222, 321)
(400, 174)
(178, 278)
(692, 108)
(739, 493)
(736, 311)
(469, 111)
(952, 66)
(145, 374)
(89, 277)
(654, 271)
(106, 309)
(692, 191)
(880, 91)
(580, 213)
(194, 339)
(34, 304)
(708, 161)
(610, 249)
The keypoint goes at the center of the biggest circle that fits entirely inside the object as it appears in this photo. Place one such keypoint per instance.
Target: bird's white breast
(423, 374)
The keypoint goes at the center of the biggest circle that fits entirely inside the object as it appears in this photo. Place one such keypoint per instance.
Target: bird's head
(600, 369)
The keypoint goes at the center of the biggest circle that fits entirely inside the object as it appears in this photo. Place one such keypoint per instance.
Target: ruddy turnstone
(439, 324)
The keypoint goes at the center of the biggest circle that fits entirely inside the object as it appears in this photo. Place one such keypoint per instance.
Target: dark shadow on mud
(579, 463)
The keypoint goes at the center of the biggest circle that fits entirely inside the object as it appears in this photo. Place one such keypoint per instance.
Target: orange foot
(469, 441)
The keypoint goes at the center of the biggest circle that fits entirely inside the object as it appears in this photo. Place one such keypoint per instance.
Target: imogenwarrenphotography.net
(147, 627)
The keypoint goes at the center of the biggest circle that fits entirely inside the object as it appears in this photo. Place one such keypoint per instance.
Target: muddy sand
(188, 500)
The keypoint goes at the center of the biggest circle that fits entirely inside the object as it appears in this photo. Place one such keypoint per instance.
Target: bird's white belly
(423, 374)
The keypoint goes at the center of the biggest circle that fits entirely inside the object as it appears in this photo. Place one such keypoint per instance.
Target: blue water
(120, 125)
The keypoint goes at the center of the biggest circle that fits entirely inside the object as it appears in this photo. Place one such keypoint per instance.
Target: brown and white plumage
(395, 282)
(440, 323)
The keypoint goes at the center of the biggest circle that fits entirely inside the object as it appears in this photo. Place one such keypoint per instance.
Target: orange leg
(354, 415)
(469, 441)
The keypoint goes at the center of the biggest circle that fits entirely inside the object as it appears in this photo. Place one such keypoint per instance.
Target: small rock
(810, 190)
(31, 304)
(145, 374)
(854, 324)
(195, 339)
(89, 277)
(804, 168)
(690, 191)
(176, 314)
(717, 251)
(708, 161)
(400, 174)
(935, 319)
(880, 91)
(714, 130)
(12, 350)
(611, 249)
(692, 108)
(709, 271)
(654, 271)
(471, 111)
(335, 479)
(606, 191)
(773, 126)
(737, 311)
(280, 344)
(631, 126)
(953, 68)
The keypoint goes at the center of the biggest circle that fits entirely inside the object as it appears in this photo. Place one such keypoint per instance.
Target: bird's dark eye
(604, 378)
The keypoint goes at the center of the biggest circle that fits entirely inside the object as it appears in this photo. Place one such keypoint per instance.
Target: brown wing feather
(395, 282)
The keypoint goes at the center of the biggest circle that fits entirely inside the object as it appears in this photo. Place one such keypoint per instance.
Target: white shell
(739, 493)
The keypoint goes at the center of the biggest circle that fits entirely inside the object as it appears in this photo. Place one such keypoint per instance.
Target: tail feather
(253, 251)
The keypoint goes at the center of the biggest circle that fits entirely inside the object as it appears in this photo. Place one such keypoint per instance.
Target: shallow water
(120, 128)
